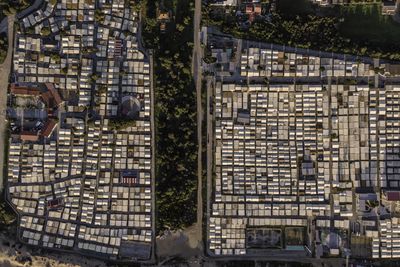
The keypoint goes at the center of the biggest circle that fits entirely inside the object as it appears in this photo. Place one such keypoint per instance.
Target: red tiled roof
(29, 136)
(393, 195)
(56, 96)
(21, 90)
(48, 127)
(51, 97)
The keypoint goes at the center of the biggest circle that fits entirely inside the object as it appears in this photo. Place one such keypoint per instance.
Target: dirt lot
(13, 254)
(184, 244)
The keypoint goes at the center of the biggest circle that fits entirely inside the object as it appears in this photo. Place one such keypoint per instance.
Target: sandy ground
(17, 255)
(185, 244)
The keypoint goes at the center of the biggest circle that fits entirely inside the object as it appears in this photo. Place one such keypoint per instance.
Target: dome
(130, 107)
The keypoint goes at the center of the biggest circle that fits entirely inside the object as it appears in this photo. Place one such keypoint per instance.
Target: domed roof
(130, 107)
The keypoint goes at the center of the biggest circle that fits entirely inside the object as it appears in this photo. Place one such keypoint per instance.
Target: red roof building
(56, 98)
(29, 136)
(50, 97)
(393, 195)
(48, 128)
(24, 91)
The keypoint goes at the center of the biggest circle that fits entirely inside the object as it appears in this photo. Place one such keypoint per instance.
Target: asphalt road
(5, 69)
(30, 9)
(153, 163)
(23, 13)
(4, 25)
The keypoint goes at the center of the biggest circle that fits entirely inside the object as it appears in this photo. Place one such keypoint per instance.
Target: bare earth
(184, 244)
(16, 255)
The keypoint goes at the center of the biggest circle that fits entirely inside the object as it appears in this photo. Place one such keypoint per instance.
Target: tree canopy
(175, 107)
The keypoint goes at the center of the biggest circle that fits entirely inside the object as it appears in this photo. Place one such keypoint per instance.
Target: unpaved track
(197, 75)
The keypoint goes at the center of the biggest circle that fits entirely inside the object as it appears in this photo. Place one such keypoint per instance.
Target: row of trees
(175, 107)
(9, 7)
(3, 47)
(304, 31)
(121, 123)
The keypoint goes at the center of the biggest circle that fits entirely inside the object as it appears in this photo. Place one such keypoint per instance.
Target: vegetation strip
(168, 30)
(352, 29)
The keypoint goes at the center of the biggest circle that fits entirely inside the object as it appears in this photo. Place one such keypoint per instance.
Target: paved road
(4, 25)
(30, 9)
(23, 13)
(396, 17)
(153, 162)
(196, 67)
(5, 69)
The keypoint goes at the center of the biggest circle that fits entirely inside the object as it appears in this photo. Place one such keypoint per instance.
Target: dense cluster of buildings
(80, 156)
(307, 154)
(388, 7)
(306, 143)
(263, 62)
(269, 61)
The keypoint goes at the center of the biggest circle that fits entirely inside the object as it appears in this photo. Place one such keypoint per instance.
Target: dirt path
(197, 75)
(5, 69)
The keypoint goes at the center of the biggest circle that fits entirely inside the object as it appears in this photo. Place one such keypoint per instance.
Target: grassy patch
(121, 123)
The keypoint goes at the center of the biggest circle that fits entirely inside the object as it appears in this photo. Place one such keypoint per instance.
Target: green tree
(45, 31)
